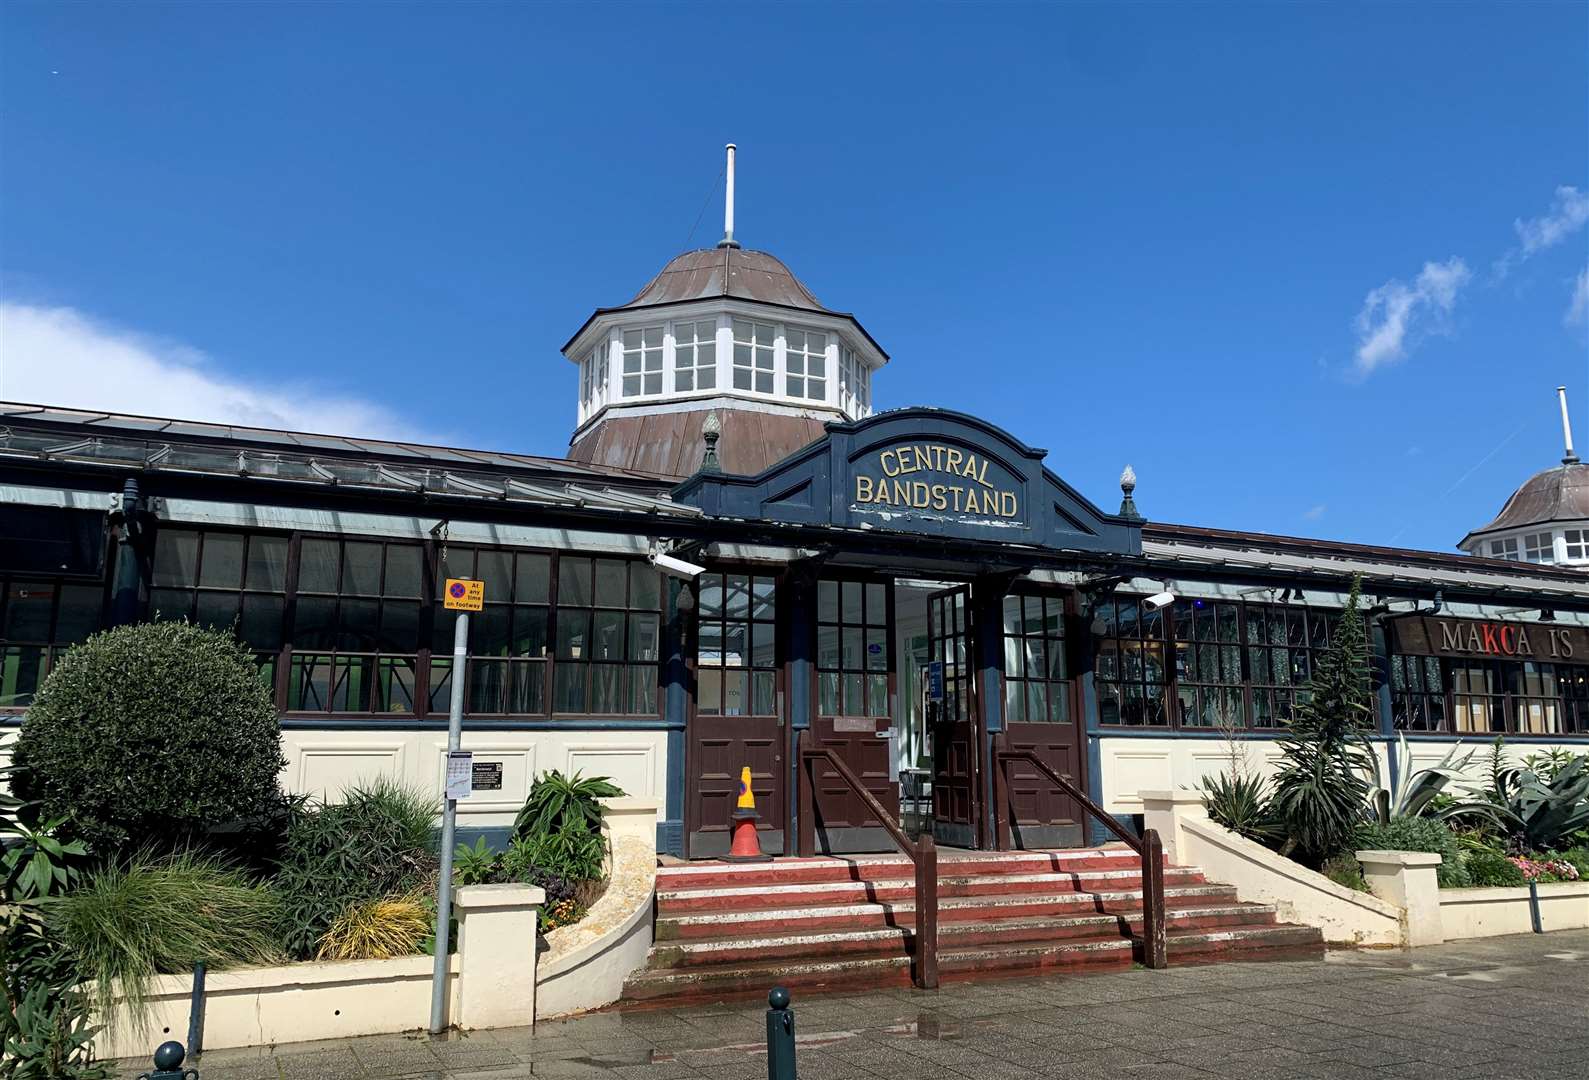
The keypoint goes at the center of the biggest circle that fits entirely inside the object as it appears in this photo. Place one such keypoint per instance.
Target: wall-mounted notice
(487, 776)
(460, 774)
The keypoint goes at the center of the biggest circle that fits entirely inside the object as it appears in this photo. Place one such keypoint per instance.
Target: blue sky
(1310, 269)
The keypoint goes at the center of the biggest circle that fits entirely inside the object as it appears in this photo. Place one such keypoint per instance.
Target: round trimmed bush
(151, 734)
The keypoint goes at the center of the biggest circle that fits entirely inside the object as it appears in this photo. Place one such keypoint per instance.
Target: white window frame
(644, 368)
(805, 357)
(755, 370)
(1575, 543)
(1505, 548)
(690, 351)
(1542, 553)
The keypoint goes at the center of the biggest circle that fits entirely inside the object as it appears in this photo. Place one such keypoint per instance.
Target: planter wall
(1476, 913)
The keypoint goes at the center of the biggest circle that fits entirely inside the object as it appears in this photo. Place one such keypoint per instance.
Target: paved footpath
(1513, 1008)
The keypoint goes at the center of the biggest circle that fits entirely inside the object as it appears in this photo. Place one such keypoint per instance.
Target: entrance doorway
(954, 719)
(738, 715)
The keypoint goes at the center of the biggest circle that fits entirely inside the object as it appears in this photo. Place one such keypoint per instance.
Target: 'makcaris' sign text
(936, 478)
(1482, 638)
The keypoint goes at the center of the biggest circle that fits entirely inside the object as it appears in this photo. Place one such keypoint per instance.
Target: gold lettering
(901, 493)
(918, 494)
(1565, 637)
(971, 467)
(982, 474)
(1523, 646)
(951, 460)
(1449, 637)
(884, 458)
(1007, 503)
(1475, 642)
(940, 500)
(863, 489)
(882, 493)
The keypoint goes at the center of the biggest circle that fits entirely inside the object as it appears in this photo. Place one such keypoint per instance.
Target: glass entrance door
(954, 729)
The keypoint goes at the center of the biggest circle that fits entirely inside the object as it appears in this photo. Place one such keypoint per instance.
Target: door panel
(737, 718)
(1040, 714)
(854, 690)
(955, 795)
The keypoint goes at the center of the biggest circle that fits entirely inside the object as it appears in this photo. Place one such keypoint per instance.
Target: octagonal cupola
(1547, 519)
(727, 330)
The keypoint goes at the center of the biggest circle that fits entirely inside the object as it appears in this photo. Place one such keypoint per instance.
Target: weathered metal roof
(1559, 494)
(732, 272)
(670, 443)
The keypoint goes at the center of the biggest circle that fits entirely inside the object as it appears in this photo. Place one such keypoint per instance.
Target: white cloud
(1578, 308)
(1568, 213)
(1314, 513)
(59, 356)
(1392, 312)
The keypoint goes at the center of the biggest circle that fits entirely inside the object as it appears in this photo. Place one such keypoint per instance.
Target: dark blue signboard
(920, 470)
(935, 681)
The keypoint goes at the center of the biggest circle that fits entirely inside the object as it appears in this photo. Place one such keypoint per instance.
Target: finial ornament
(711, 431)
(1128, 505)
(1570, 458)
(728, 240)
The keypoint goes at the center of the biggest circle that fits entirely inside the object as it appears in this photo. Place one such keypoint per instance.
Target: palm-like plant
(1320, 790)
(564, 804)
(1416, 790)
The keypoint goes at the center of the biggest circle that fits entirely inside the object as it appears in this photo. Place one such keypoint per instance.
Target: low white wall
(325, 763)
(292, 1003)
(585, 965)
(1299, 894)
(1476, 913)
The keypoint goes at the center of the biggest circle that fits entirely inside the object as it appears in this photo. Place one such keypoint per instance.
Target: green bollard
(168, 1064)
(780, 1036)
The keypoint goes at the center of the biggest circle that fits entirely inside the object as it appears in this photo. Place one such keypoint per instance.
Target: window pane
(404, 570)
(309, 683)
(763, 684)
(645, 637)
(573, 582)
(317, 566)
(1014, 701)
(356, 625)
(21, 669)
(764, 648)
(399, 626)
(877, 695)
(641, 685)
(529, 631)
(711, 598)
(261, 624)
(851, 594)
(487, 685)
(568, 691)
(441, 685)
(828, 601)
(736, 644)
(315, 624)
(222, 566)
(217, 610)
(267, 563)
(828, 693)
(709, 692)
(573, 633)
(495, 568)
(645, 587)
(361, 569)
(827, 647)
(78, 613)
(532, 585)
(607, 640)
(606, 688)
(529, 688)
(876, 605)
(176, 558)
(854, 702)
(737, 596)
(164, 604)
(611, 578)
(394, 692)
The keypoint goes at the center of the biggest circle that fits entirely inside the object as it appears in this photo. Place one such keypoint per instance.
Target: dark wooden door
(737, 718)
(854, 695)
(1040, 714)
(956, 795)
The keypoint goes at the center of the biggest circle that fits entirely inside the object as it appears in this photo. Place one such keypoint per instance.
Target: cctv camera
(1158, 600)
(677, 567)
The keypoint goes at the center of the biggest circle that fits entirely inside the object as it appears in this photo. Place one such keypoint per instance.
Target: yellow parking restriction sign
(464, 595)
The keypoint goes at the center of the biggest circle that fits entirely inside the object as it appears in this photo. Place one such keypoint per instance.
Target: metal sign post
(463, 597)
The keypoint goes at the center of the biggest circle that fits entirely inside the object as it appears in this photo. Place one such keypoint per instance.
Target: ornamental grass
(379, 929)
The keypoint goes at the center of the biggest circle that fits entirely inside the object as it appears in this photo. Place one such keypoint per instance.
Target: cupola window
(805, 364)
(1578, 543)
(753, 351)
(854, 377)
(1504, 549)
(1539, 547)
(642, 362)
(695, 355)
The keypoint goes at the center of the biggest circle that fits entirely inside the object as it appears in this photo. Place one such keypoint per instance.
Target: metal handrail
(1149, 847)
(923, 852)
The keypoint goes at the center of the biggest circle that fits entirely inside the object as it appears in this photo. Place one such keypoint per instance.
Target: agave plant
(1415, 791)
(1540, 815)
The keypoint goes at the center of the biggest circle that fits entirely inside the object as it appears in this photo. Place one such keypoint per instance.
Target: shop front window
(230, 581)
(40, 618)
(608, 633)
(1208, 683)
(853, 649)
(508, 639)
(1129, 671)
(1489, 697)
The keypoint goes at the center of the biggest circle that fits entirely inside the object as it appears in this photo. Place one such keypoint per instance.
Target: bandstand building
(913, 588)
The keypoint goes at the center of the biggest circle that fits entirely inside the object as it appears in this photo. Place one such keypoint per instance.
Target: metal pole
(196, 1013)
(449, 821)
(1533, 907)
(780, 1036)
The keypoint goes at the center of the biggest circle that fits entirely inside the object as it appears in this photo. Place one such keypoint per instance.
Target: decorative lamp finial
(1128, 505)
(711, 431)
(1570, 458)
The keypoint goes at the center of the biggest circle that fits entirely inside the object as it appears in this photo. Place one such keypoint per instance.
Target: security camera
(676, 567)
(1159, 600)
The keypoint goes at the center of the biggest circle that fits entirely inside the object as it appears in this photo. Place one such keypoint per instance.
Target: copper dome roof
(1558, 494)
(724, 271)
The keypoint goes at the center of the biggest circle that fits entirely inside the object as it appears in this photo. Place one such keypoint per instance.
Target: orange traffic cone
(747, 845)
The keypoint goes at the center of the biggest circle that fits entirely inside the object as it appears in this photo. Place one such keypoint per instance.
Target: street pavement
(1514, 1008)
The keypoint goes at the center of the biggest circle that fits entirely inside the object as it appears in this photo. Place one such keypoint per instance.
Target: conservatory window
(1504, 549)
(695, 355)
(1578, 543)
(753, 356)
(585, 368)
(597, 365)
(1539, 547)
(863, 387)
(642, 362)
(806, 356)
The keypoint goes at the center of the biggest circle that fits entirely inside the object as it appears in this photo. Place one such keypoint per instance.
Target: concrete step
(896, 940)
(792, 871)
(869, 915)
(950, 885)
